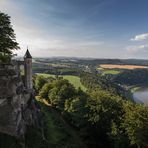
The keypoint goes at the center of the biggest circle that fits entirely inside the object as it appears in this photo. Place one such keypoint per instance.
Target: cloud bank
(140, 37)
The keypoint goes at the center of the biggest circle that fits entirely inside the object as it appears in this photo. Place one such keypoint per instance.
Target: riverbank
(134, 92)
(140, 93)
(135, 88)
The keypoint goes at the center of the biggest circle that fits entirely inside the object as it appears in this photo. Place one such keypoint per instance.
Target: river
(141, 95)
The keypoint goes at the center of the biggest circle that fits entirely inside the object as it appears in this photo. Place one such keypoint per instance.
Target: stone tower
(28, 69)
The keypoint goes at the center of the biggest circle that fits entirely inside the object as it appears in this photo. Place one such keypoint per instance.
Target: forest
(100, 118)
(132, 77)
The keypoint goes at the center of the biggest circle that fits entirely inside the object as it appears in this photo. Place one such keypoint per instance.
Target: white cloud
(140, 37)
(45, 43)
(140, 48)
(41, 43)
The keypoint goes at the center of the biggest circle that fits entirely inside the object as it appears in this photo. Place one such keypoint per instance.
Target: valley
(71, 69)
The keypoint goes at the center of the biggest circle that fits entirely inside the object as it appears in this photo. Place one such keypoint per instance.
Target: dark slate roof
(27, 54)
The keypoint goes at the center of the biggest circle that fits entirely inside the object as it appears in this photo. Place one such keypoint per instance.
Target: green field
(113, 72)
(75, 80)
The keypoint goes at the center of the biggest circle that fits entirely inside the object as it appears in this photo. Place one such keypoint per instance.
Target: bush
(5, 58)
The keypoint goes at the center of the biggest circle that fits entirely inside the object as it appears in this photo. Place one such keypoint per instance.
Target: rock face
(15, 102)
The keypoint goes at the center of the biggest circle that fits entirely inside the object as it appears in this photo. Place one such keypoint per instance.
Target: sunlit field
(75, 80)
(113, 66)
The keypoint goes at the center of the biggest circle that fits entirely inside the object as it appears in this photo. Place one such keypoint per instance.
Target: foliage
(7, 37)
(75, 80)
(105, 82)
(57, 133)
(45, 90)
(33, 138)
(5, 57)
(61, 91)
(100, 117)
(136, 124)
(42, 68)
(105, 104)
(39, 81)
(105, 115)
(75, 109)
(132, 77)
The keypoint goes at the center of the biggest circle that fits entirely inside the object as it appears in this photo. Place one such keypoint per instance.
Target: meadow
(75, 80)
(108, 71)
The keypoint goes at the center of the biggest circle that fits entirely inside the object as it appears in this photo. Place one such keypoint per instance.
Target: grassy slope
(75, 80)
(57, 132)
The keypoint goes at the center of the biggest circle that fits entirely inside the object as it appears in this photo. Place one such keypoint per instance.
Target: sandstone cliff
(17, 107)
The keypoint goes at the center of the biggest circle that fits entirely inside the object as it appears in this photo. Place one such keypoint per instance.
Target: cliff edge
(17, 105)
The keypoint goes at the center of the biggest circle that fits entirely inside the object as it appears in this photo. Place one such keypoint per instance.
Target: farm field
(75, 80)
(108, 71)
(114, 66)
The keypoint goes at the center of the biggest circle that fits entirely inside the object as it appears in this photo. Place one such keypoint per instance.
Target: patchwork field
(75, 80)
(113, 66)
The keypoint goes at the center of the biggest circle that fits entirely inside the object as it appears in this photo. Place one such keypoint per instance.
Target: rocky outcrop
(16, 103)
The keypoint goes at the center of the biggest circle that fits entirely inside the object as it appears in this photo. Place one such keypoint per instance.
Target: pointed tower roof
(27, 54)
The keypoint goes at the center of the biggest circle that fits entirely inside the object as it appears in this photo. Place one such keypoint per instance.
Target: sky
(80, 28)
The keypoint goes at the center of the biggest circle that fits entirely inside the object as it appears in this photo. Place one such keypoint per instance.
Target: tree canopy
(7, 36)
(100, 117)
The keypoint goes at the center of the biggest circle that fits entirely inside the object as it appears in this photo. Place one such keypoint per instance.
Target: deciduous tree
(7, 36)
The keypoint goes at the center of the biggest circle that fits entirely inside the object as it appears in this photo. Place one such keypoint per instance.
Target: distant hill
(94, 62)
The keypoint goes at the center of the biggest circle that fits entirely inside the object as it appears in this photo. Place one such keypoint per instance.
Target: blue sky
(80, 28)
